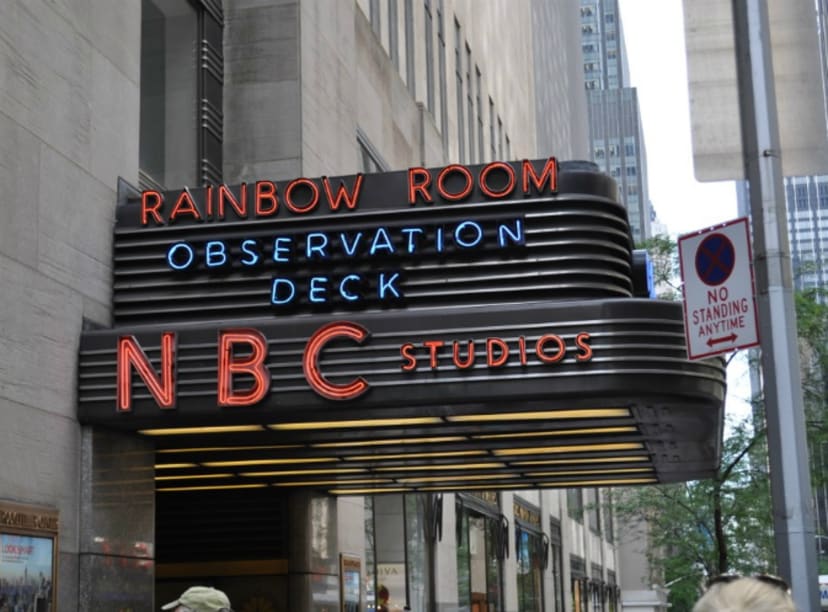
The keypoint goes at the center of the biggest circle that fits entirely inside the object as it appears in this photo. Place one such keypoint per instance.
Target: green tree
(698, 529)
(663, 253)
(704, 528)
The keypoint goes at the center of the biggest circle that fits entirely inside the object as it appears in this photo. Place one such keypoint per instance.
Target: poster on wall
(350, 572)
(26, 572)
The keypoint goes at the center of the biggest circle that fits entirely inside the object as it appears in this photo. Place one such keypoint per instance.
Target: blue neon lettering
(317, 286)
(388, 285)
(282, 245)
(412, 241)
(381, 235)
(351, 297)
(350, 249)
(458, 234)
(172, 252)
(439, 240)
(310, 248)
(518, 237)
(274, 292)
(215, 254)
(247, 247)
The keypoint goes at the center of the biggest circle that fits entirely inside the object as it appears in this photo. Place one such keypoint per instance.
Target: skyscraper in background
(616, 136)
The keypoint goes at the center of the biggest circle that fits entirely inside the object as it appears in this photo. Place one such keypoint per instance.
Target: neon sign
(243, 353)
(355, 264)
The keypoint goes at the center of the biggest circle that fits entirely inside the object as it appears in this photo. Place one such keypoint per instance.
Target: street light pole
(787, 445)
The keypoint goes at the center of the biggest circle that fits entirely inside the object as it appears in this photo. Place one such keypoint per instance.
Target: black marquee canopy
(457, 328)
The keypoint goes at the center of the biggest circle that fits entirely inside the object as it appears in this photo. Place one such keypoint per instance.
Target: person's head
(200, 599)
(738, 594)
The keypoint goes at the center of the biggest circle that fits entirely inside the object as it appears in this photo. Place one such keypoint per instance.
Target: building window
(480, 546)
(556, 564)
(609, 520)
(458, 77)
(481, 154)
(429, 52)
(393, 33)
(394, 547)
(492, 137)
(529, 561)
(596, 589)
(443, 78)
(579, 582)
(593, 510)
(575, 504)
(182, 77)
(470, 103)
(410, 79)
(374, 16)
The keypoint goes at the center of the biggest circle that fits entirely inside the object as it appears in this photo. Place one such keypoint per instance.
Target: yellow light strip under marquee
(454, 466)
(284, 461)
(578, 461)
(587, 413)
(467, 453)
(193, 476)
(568, 448)
(455, 477)
(213, 488)
(610, 482)
(589, 472)
(305, 472)
(560, 432)
(396, 442)
(368, 491)
(189, 431)
(402, 422)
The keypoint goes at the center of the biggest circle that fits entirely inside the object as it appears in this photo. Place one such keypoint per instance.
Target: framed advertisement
(28, 557)
(350, 581)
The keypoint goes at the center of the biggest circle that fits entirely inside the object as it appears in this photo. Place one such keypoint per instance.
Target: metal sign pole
(787, 446)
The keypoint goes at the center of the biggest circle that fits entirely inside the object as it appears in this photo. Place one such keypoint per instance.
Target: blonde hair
(745, 595)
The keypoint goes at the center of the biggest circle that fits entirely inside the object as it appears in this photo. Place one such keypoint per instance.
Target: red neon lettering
(550, 173)
(581, 342)
(540, 346)
(342, 194)
(253, 364)
(240, 205)
(310, 360)
(510, 186)
(432, 346)
(441, 179)
(161, 387)
(289, 196)
(496, 361)
(469, 362)
(151, 209)
(421, 188)
(407, 352)
(522, 350)
(185, 206)
(266, 190)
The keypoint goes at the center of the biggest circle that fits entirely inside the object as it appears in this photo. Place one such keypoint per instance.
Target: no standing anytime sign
(719, 304)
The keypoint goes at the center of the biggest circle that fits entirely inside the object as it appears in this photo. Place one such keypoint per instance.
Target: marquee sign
(481, 303)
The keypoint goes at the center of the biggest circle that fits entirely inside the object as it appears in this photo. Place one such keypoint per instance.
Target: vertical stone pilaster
(117, 523)
(313, 558)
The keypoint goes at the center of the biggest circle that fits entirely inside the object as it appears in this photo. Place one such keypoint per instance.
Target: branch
(732, 465)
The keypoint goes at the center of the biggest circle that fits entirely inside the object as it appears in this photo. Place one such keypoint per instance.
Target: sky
(654, 36)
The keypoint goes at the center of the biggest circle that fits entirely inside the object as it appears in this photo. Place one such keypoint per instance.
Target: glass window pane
(169, 91)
